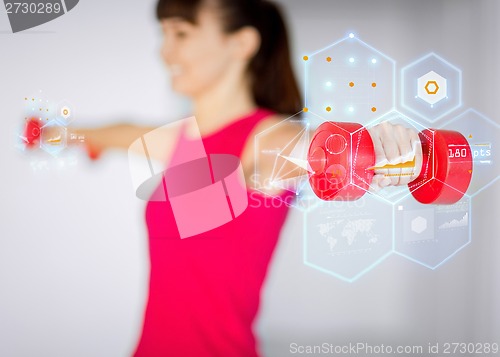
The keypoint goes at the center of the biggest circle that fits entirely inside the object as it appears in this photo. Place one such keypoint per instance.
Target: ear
(246, 43)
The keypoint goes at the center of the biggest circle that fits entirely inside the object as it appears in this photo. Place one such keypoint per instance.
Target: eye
(177, 28)
(180, 34)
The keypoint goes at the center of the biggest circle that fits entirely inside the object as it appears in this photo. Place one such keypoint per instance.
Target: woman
(232, 58)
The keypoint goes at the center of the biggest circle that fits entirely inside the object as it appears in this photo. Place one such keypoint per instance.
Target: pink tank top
(204, 290)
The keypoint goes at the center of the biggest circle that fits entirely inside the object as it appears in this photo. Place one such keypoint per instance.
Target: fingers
(394, 142)
(406, 142)
(385, 144)
(418, 156)
(387, 151)
(403, 137)
(397, 145)
(379, 182)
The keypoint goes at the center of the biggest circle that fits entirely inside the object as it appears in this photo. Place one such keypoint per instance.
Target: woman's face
(198, 56)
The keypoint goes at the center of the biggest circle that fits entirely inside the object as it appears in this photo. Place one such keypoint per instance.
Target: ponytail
(274, 85)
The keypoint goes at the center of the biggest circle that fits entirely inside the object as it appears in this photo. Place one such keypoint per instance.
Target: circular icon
(65, 112)
(335, 144)
(336, 174)
(35, 132)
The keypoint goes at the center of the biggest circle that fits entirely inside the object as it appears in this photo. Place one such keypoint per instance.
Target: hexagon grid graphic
(482, 135)
(431, 234)
(53, 120)
(431, 87)
(347, 239)
(349, 81)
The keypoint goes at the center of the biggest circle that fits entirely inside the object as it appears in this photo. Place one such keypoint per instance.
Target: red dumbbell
(342, 156)
(33, 132)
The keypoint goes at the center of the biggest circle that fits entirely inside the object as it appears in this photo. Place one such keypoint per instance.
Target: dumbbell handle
(342, 155)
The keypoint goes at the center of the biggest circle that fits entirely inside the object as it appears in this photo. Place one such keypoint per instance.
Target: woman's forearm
(117, 136)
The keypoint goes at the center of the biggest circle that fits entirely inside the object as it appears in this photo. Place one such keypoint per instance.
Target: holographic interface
(350, 88)
(46, 133)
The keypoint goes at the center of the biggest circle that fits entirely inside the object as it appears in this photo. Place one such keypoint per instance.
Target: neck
(223, 104)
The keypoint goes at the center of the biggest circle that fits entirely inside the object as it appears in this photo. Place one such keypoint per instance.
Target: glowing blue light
(328, 84)
(351, 59)
(351, 35)
(351, 109)
(374, 61)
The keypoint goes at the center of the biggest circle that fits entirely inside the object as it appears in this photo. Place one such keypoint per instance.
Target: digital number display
(457, 152)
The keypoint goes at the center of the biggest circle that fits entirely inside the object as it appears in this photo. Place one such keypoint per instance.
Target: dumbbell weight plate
(446, 167)
(339, 156)
(32, 132)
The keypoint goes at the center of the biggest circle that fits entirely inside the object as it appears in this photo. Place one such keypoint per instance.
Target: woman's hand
(398, 155)
(94, 140)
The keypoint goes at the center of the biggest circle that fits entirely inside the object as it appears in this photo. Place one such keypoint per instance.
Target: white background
(73, 249)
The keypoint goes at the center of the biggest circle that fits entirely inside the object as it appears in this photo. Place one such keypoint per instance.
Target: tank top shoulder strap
(232, 138)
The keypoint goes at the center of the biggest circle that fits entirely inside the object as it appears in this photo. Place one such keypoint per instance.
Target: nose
(168, 49)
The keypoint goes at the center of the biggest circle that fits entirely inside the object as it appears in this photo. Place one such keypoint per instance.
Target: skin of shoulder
(258, 166)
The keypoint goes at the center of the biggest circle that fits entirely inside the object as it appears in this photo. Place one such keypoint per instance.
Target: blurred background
(73, 248)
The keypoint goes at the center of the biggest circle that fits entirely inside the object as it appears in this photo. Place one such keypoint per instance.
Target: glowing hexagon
(347, 239)
(350, 81)
(53, 137)
(419, 224)
(482, 135)
(431, 234)
(431, 87)
(65, 112)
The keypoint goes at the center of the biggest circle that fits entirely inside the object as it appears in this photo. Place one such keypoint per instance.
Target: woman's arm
(279, 152)
(117, 136)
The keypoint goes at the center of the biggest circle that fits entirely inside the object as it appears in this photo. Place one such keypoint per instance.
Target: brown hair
(273, 82)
